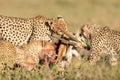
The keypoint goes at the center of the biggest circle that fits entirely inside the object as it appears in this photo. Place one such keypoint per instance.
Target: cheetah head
(56, 23)
(88, 30)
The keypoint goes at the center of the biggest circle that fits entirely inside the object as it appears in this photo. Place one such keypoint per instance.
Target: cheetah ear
(106, 28)
(47, 23)
(59, 17)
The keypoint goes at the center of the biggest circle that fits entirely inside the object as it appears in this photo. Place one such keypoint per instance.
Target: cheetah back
(15, 30)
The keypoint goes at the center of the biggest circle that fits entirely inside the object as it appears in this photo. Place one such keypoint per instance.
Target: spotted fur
(104, 42)
(20, 31)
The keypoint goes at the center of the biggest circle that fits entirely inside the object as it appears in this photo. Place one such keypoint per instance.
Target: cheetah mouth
(87, 47)
(48, 60)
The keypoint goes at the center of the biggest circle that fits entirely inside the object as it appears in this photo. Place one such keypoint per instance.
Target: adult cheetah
(104, 42)
(20, 31)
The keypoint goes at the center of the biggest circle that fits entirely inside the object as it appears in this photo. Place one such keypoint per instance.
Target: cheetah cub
(27, 56)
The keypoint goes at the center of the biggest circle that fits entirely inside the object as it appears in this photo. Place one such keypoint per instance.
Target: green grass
(78, 70)
(76, 13)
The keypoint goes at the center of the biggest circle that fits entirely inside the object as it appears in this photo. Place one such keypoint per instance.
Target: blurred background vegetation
(75, 12)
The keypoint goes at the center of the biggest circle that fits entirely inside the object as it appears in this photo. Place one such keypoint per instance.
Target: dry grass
(75, 71)
(76, 13)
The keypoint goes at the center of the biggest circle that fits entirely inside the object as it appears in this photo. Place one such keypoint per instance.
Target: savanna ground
(76, 13)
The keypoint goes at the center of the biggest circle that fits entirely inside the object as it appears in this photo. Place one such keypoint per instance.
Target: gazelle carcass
(67, 47)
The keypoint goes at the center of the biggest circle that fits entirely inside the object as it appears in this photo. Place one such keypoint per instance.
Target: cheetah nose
(87, 47)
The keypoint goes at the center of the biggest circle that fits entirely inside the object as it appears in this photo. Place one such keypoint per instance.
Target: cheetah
(26, 56)
(20, 31)
(104, 42)
(7, 53)
(30, 54)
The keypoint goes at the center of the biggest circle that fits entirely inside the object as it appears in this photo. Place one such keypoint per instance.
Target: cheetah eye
(51, 22)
